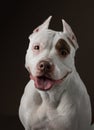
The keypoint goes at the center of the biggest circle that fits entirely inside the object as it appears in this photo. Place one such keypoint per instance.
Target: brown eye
(64, 52)
(62, 47)
(36, 47)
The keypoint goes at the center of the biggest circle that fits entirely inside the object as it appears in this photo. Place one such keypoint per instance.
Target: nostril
(41, 66)
(48, 66)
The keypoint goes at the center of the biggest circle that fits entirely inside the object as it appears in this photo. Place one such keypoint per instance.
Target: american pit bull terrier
(55, 97)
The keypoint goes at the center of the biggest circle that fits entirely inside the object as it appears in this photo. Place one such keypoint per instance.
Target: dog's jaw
(45, 83)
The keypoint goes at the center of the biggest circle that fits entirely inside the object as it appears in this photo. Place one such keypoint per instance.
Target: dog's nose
(45, 66)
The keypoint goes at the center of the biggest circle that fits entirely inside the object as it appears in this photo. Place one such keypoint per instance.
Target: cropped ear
(45, 25)
(71, 36)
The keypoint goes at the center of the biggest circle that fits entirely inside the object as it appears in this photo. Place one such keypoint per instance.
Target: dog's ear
(71, 36)
(45, 25)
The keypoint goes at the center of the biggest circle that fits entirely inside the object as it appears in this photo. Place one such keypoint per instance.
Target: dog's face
(50, 56)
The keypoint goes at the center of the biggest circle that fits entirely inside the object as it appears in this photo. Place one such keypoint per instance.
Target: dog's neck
(53, 96)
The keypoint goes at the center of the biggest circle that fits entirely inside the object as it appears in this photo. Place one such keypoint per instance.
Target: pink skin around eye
(36, 49)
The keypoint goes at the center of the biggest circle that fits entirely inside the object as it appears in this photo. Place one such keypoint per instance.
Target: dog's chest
(47, 114)
(48, 111)
(42, 117)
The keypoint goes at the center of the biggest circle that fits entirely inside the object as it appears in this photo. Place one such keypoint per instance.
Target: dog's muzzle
(43, 79)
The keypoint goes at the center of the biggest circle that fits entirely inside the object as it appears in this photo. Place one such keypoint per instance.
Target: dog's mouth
(45, 83)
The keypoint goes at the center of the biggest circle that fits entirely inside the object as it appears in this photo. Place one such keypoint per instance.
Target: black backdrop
(17, 20)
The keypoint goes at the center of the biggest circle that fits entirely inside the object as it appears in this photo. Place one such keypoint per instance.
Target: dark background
(17, 20)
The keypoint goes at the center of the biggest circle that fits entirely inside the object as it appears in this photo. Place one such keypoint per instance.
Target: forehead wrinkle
(71, 42)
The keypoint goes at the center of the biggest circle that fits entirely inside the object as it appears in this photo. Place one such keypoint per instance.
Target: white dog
(55, 97)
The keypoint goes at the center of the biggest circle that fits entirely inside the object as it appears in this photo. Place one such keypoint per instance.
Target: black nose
(45, 66)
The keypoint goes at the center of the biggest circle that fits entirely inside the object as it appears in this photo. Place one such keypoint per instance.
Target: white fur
(63, 107)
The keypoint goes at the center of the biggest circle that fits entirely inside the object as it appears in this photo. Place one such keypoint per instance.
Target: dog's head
(50, 55)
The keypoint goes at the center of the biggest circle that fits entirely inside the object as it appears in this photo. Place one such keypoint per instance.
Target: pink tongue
(43, 83)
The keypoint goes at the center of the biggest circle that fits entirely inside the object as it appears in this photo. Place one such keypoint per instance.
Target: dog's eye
(62, 48)
(36, 47)
(64, 52)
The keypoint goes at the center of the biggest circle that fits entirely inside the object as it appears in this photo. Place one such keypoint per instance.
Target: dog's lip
(43, 82)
